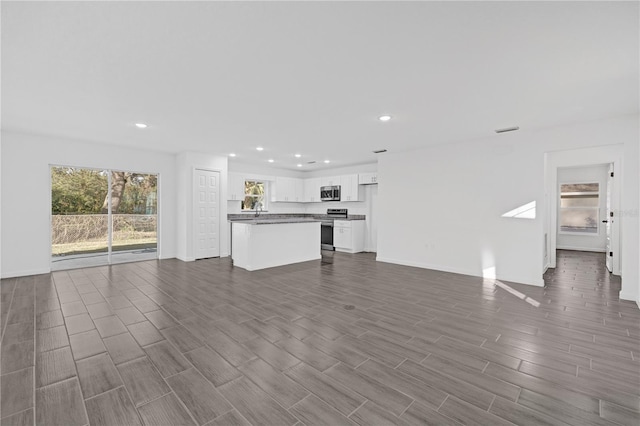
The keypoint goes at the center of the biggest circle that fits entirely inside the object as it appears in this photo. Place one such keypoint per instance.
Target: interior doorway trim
(609, 154)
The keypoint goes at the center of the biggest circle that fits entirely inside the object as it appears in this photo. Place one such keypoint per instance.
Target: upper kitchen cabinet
(349, 189)
(312, 190)
(235, 186)
(368, 178)
(288, 190)
(330, 181)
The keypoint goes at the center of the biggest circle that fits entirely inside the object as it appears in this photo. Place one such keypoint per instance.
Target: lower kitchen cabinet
(348, 235)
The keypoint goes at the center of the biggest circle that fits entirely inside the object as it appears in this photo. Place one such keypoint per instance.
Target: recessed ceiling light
(232, 155)
(298, 155)
(299, 165)
(260, 148)
(141, 126)
(270, 160)
(384, 118)
(327, 161)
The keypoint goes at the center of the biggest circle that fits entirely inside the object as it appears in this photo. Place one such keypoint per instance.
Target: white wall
(26, 193)
(590, 174)
(0, 201)
(441, 207)
(186, 163)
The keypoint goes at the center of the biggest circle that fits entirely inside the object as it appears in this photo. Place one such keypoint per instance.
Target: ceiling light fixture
(270, 160)
(260, 148)
(326, 161)
(298, 155)
(384, 118)
(141, 126)
(232, 155)
(508, 129)
(299, 165)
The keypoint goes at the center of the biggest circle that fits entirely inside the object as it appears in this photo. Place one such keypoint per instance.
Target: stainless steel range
(326, 228)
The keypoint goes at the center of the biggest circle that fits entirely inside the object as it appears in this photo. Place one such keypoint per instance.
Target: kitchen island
(264, 243)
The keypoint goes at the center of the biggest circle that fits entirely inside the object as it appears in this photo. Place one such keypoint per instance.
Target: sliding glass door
(134, 206)
(100, 217)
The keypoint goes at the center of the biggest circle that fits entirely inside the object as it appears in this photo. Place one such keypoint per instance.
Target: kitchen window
(255, 195)
(579, 208)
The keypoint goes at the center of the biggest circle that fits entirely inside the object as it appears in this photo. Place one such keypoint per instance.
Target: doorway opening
(102, 217)
(584, 216)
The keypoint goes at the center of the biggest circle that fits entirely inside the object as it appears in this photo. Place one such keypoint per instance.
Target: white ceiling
(312, 77)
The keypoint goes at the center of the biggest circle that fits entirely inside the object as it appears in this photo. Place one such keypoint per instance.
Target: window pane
(579, 187)
(579, 201)
(584, 220)
(253, 188)
(251, 202)
(134, 204)
(79, 221)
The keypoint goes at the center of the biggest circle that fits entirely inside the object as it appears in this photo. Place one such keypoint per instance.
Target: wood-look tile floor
(351, 341)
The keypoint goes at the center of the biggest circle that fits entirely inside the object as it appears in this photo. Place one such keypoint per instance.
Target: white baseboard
(536, 282)
(630, 297)
(596, 250)
(25, 273)
(186, 259)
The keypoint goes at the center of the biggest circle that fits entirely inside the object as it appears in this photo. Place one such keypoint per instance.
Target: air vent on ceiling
(311, 162)
(379, 151)
(508, 129)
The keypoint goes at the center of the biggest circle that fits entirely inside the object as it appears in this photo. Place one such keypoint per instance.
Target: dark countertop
(265, 218)
(273, 221)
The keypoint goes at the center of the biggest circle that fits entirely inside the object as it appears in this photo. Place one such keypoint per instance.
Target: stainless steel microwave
(330, 193)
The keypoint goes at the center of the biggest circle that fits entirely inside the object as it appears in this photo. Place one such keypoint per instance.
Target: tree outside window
(254, 196)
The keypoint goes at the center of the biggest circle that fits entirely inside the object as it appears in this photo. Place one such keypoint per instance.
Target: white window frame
(265, 185)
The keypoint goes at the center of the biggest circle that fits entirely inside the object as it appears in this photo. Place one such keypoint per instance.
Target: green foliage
(139, 195)
(77, 191)
(83, 191)
(253, 195)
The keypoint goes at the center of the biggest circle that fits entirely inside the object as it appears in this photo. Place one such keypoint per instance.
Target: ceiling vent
(379, 151)
(508, 129)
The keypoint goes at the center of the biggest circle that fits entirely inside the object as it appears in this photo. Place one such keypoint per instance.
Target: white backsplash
(233, 207)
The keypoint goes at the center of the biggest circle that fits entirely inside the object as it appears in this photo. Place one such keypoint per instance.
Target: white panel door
(206, 199)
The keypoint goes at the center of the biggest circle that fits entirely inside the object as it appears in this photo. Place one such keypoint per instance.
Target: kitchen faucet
(259, 205)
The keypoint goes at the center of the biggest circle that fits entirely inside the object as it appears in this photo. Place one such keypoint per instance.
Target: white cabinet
(349, 189)
(235, 186)
(289, 190)
(329, 180)
(368, 178)
(298, 185)
(348, 235)
(312, 190)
